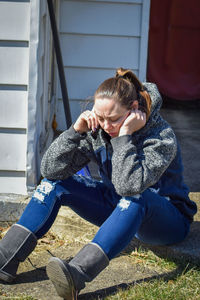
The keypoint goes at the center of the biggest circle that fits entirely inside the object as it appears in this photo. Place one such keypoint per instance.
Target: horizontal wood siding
(96, 38)
(15, 21)
(106, 18)
(16, 181)
(14, 65)
(14, 69)
(100, 51)
(13, 112)
(12, 151)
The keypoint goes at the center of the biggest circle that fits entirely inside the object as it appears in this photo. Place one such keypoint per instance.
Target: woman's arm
(137, 166)
(66, 155)
(70, 152)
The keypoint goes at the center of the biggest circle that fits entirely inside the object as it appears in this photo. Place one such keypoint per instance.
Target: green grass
(149, 259)
(179, 281)
(185, 286)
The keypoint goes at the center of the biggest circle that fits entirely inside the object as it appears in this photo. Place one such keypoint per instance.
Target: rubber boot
(15, 247)
(69, 279)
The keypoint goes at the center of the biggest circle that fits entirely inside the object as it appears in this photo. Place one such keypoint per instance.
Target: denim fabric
(150, 217)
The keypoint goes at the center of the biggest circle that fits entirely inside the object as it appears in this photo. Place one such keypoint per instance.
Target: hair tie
(120, 76)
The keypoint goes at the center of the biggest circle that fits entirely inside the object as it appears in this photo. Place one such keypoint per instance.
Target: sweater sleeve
(135, 167)
(65, 156)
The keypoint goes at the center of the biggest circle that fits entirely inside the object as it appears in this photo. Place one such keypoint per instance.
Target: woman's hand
(135, 121)
(86, 121)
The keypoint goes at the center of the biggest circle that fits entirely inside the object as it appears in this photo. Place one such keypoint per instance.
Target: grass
(185, 286)
(180, 281)
(149, 259)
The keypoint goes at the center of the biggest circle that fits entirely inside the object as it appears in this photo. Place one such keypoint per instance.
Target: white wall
(96, 38)
(14, 65)
(26, 105)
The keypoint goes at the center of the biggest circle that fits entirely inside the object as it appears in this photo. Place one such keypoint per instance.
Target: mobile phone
(95, 133)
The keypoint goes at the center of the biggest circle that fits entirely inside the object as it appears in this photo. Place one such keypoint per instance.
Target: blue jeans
(148, 216)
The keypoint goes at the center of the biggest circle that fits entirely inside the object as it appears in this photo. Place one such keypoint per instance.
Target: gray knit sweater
(137, 161)
(129, 164)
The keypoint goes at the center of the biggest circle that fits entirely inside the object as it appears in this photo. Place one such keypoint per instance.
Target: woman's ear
(135, 104)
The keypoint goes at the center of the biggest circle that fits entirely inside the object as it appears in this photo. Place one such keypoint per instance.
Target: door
(174, 48)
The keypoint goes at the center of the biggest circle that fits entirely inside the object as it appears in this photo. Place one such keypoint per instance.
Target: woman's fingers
(144, 117)
(139, 115)
(91, 119)
(135, 121)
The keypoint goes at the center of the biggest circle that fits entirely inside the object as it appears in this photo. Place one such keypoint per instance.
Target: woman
(141, 193)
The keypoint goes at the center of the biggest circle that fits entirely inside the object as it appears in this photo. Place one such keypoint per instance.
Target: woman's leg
(149, 216)
(20, 240)
(83, 195)
(42, 209)
(163, 224)
(114, 234)
(89, 198)
(121, 226)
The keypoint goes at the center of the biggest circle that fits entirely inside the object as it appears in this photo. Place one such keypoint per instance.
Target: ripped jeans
(151, 218)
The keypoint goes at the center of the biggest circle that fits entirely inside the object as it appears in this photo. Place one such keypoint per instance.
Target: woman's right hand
(86, 121)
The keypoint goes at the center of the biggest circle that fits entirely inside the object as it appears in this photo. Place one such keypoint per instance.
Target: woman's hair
(125, 87)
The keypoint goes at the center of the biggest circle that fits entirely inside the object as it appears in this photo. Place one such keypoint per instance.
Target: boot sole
(61, 278)
(6, 277)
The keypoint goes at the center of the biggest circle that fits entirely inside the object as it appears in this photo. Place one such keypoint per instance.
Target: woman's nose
(107, 124)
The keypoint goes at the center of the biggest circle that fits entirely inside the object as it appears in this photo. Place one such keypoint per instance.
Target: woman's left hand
(135, 121)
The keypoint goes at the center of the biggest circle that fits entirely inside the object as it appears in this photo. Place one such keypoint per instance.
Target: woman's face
(110, 115)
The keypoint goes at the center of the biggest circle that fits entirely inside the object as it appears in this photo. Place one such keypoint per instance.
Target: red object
(174, 48)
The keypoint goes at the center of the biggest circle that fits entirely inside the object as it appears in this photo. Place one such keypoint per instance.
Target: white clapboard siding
(97, 37)
(100, 51)
(109, 19)
(13, 151)
(13, 112)
(76, 106)
(14, 65)
(13, 182)
(15, 20)
(26, 111)
(115, 1)
(14, 79)
(82, 82)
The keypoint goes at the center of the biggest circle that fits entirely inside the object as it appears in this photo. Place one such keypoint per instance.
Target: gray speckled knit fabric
(137, 160)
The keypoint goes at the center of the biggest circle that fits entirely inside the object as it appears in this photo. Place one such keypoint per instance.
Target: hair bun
(130, 76)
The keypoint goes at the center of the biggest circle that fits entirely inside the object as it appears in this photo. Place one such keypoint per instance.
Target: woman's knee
(152, 199)
(44, 189)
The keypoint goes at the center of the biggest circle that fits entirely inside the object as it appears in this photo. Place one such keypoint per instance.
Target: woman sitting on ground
(142, 193)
